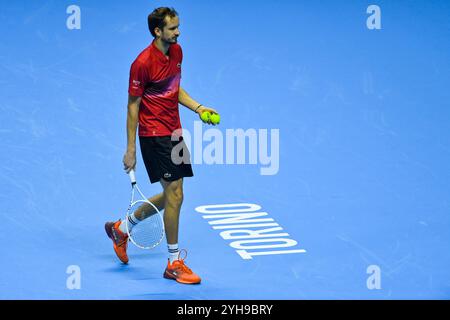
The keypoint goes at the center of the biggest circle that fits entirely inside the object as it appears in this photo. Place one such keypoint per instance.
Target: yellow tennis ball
(215, 118)
(205, 116)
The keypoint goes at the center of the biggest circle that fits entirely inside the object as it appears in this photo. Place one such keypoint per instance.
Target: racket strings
(149, 232)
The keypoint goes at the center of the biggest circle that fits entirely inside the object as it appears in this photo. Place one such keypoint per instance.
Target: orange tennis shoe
(119, 239)
(180, 272)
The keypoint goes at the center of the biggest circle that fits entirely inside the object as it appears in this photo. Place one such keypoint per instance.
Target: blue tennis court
(327, 178)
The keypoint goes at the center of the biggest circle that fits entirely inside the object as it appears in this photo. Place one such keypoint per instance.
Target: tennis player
(153, 96)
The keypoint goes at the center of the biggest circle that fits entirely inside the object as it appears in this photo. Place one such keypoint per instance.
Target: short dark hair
(156, 19)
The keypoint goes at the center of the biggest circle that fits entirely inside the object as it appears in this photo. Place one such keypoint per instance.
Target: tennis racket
(149, 232)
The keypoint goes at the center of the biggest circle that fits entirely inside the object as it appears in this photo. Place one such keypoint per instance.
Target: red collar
(161, 56)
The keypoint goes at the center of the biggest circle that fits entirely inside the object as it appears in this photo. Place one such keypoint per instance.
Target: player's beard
(171, 40)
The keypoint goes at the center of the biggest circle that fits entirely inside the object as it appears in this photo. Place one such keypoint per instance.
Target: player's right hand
(129, 161)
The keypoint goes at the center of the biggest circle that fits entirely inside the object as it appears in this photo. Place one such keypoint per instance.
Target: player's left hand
(203, 109)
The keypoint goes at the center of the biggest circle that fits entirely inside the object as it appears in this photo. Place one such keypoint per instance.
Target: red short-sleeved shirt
(156, 78)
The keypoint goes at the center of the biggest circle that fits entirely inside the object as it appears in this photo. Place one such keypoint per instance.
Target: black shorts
(158, 160)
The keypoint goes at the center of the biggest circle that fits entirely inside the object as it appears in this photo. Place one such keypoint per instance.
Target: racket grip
(132, 176)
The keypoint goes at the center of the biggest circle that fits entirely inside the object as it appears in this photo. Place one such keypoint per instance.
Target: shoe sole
(169, 276)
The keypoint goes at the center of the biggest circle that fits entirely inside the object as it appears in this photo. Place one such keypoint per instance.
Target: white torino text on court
(239, 219)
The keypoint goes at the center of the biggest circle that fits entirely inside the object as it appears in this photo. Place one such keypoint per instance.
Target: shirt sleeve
(181, 54)
(138, 79)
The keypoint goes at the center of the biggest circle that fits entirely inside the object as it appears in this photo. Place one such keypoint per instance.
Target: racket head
(148, 233)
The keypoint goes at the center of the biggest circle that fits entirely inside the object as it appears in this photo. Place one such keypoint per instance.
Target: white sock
(173, 252)
(132, 222)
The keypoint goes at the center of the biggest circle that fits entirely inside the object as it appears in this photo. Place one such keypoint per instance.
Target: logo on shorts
(167, 175)
(179, 65)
